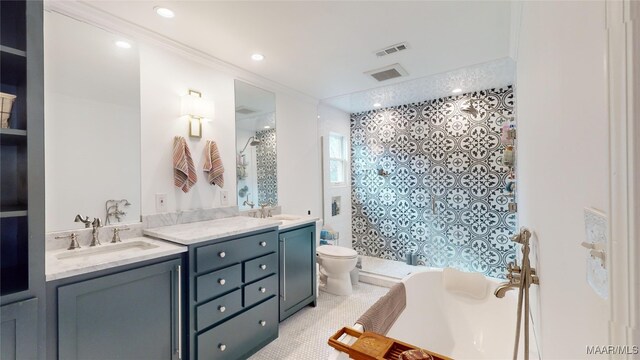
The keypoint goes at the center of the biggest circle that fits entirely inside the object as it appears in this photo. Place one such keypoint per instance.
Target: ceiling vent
(388, 72)
(392, 49)
(244, 110)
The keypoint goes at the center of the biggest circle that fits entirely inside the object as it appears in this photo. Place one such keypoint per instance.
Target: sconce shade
(197, 107)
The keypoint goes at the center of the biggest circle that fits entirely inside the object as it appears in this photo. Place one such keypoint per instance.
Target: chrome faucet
(247, 202)
(263, 211)
(112, 208)
(97, 223)
(74, 240)
(84, 220)
(521, 278)
(513, 278)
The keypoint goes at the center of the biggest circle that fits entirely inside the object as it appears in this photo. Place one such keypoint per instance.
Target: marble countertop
(195, 232)
(63, 263)
(289, 221)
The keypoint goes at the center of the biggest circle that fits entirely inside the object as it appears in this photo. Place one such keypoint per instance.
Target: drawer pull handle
(222, 254)
(263, 323)
(222, 308)
(262, 290)
(263, 243)
(222, 347)
(263, 267)
(222, 281)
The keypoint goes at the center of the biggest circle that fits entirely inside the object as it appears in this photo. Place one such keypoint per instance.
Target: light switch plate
(224, 198)
(595, 226)
(161, 203)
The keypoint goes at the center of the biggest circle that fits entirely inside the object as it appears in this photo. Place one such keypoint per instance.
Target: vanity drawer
(260, 267)
(218, 309)
(239, 336)
(215, 256)
(260, 290)
(218, 282)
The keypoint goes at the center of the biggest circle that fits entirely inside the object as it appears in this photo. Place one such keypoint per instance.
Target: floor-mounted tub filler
(455, 314)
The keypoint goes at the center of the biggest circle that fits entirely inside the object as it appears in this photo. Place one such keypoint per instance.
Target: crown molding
(87, 13)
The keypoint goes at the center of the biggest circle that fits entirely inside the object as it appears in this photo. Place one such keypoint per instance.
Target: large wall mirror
(256, 165)
(92, 124)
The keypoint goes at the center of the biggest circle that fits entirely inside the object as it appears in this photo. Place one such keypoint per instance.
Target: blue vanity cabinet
(233, 288)
(131, 314)
(18, 330)
(297, 269)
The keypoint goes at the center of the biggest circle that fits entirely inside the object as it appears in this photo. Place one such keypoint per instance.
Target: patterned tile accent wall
(266, 167)
(442, 191)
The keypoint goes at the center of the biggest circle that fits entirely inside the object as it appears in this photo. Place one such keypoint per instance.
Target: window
(337, 159)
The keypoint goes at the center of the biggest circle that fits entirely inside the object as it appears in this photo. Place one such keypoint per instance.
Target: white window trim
(344, 159)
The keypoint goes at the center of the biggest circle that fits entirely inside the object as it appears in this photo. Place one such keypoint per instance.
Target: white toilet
(336, 263)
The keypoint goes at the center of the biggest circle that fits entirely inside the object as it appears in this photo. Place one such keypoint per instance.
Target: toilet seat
(336, 252)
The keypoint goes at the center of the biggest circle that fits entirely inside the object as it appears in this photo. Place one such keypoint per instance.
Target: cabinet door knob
(263, 267)
(263, 323)
(222, 254)
(263, 243)
(222, 347)
(262, 290)
(222, 308)
(222, 281)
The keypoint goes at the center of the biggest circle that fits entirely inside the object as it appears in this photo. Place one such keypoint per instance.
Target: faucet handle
(116, 234)
(74, 240)
(96, 223)
(264, 205)
(513, 267)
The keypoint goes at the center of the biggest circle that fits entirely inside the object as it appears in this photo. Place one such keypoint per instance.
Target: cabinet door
(130, 315)
(297, 270)
(19, 330)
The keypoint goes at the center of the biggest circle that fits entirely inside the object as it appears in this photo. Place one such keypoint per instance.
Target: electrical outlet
(161, 203)
(224, 198)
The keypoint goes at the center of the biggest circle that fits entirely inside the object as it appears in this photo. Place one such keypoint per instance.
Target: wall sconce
(197, 109)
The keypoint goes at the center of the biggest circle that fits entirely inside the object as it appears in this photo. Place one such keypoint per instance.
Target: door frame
(623, 79)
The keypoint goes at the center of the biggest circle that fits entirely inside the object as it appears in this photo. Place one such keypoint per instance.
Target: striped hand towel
(184, 172)
(213, 164)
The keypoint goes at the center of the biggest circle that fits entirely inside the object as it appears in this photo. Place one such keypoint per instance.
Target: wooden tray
(372, 346)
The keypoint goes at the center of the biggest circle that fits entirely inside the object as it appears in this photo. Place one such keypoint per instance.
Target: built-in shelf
(11, 214)
(13, 137)
(13, 210)
(13, 132)
(13, 51)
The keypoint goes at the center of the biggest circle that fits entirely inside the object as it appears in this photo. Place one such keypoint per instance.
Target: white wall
(336, 121)
(563, 163)
(165, 76)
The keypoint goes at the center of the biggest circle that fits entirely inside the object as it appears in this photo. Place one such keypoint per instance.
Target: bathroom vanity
(214, 289)
(123, 290)
(297, 268)
(231, 285)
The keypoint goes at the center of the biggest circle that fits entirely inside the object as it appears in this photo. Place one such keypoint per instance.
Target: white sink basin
(108, 249)
(286, 217)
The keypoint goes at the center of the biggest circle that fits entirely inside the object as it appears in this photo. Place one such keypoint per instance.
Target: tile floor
(304, 335)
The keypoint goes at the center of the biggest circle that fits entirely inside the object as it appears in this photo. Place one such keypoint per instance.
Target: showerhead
(251, 141)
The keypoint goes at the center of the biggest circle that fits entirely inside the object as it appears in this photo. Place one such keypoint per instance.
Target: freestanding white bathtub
(456, 325)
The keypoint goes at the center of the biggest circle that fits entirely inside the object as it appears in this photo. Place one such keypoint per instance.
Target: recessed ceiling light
(267, 127)
(377, 105)
(257, 57)
(164, 12)
(457, 90)
(123, 44)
